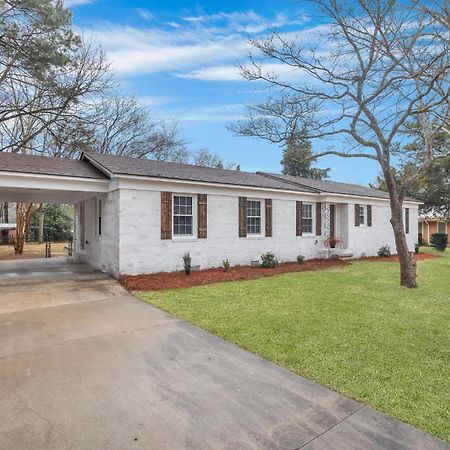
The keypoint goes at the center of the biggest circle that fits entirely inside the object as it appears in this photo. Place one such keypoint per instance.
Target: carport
(36, 179)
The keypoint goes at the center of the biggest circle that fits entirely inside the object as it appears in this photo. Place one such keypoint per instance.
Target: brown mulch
(394, 258)
(172, 280)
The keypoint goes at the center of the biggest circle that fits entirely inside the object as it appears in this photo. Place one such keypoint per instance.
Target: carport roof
(44, 165)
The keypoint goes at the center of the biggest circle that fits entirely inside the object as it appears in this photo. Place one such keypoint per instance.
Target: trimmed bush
(226, 265)
(421, 242)
(268, 260)
(439, 241)
(300, 259)
(416, 248)
(384, 251)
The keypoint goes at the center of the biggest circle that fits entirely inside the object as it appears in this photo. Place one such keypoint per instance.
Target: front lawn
(352, 329)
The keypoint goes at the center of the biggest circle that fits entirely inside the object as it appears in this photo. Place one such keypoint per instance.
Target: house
(432, 221)
(141, 216)
(7, 228)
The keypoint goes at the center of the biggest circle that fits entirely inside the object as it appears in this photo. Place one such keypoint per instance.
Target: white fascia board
(199, 187)
(51, 182)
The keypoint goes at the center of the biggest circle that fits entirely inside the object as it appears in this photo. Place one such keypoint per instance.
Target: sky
(180, 59)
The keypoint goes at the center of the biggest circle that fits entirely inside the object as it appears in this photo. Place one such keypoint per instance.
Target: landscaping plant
(384, 251)
(439, 241)
(187, 262)
(300, 259)
(226, 265)
(268, 260)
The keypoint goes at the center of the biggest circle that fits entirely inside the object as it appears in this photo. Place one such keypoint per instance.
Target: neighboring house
(432, 221)
(7, 228)
(141, 216)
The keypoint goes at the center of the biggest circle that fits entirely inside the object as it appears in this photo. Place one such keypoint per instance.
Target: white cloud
(219, 113)
(204, 47)
(145, 14)
(70, 3)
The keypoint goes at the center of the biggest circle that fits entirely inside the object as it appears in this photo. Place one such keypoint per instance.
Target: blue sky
(179, 58)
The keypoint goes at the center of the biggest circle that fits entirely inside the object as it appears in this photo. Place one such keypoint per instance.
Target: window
(442, 228)
(82, 227)
(362, 215)
(99, 217)
(253, 217)
(420, 228)
(183, 218)
(307, 218)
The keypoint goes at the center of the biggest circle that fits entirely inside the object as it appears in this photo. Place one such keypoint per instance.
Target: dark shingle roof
(332, 187)
(121, 165)
(44, 165)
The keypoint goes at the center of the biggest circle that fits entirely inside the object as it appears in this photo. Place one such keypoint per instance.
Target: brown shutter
(357, 215)
(242, 216)
(407, 220)
(268, 217)
(318, 219)
(298, 218)
(202, 212)
(166, 215)
(369, 215)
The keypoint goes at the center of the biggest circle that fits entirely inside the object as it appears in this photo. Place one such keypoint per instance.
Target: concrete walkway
(84, 365)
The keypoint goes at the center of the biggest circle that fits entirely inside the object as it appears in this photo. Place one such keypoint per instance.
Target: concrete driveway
(84, 365)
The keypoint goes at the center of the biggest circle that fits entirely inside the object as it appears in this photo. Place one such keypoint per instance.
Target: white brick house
(140, 216)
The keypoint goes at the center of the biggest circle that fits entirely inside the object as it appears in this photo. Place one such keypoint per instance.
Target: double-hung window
(442, 228)
(307, 218)
(362, 215)
(183, 216)
(253, 217)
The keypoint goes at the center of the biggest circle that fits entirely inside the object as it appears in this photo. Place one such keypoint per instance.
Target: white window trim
(364, 207)
(313, 220)
(185, 237)
(262, 205)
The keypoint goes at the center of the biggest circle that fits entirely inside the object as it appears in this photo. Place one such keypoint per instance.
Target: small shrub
(268, 260)
(421, 242)
(416, 248)
(384, 251)
(187, 262)
(226, 265)
(439, 241)
(300, 259)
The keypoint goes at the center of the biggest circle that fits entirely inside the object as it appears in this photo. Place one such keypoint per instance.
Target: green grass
(352, 329)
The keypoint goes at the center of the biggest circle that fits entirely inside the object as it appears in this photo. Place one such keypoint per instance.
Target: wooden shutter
(357, 215)
(318, 219)
(166, 215)
(369, 215)
(202, 219)
(268, 217)
(407, 220)
(298, 218)
(242, 216)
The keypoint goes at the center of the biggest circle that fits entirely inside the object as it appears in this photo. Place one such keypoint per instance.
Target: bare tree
(376, 65)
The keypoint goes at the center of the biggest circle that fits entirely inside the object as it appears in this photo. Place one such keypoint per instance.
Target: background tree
(297, 160)
(375, 66)
(57, 224)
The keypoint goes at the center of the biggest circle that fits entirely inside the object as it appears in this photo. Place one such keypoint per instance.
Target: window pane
(307, 221)
(361, 215)
(182, 215)
(442, 227)
(253, 217)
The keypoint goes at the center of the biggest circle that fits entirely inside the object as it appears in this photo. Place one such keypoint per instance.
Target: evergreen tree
(297, 160)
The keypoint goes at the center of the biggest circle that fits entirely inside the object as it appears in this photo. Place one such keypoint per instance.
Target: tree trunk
(408, 266)
(41, 226)
(24, 214)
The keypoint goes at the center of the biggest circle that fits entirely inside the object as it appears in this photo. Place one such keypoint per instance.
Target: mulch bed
(394, 258)
(172, 280)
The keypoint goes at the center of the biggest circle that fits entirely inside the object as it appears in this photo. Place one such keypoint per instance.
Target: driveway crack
(330, 428)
